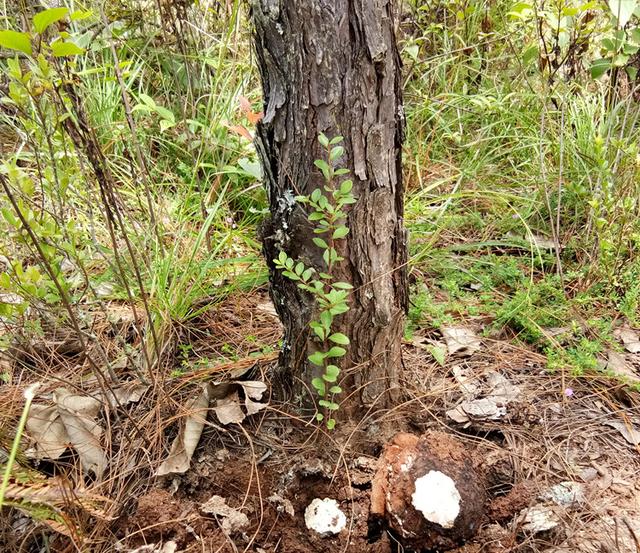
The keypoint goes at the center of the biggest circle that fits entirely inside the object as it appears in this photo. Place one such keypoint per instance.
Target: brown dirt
(278, 462)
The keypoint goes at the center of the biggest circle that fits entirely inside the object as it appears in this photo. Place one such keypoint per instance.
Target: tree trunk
(333, 67)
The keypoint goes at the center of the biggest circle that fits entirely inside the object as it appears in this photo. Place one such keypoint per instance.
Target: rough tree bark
(333, 66)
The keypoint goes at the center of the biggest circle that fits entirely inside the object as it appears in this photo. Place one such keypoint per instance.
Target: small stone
(588, 474)
(324, 516)
(565, 494)
(539, 519)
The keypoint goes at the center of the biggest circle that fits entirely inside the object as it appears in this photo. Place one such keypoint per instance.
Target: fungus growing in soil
(324, 516)
(437, 498)
(428, 492)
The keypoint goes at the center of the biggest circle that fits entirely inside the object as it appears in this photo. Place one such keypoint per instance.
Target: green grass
(496, 160)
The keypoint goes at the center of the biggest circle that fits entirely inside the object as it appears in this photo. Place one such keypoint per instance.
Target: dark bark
(333, 66)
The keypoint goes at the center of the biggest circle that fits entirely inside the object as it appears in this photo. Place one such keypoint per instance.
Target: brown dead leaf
(617, 363)
(232, 521)
(629, 338)
(78, 414)
(628, 431)
(228, 409)
(461, 340)
(185, 443)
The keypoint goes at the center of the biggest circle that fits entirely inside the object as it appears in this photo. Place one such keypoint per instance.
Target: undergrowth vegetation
(129, 177)
(523, 166)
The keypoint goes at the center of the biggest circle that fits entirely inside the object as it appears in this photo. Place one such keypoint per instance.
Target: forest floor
(154, 426)
(247, 485)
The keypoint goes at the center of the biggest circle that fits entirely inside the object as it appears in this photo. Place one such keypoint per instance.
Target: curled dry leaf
(628, 431)
(497, 390)
(71, 421)
(461, 340)
(167, 547)
(629, 338)
(282, 504)
(267, 308)
(187, 439)
(78, 414)
(228, 409)
(539, 519)
(617, 363)
(232, 520)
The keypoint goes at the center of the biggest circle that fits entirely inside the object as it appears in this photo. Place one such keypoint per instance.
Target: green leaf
(13, 40)
(339, 338)
(306, 275)
(324, 167)
(342, 285)
(326, 318)
(332, 406)
(316, 216)
(336, 152)
(438, 354)
(336, 351)
(80, 14)
(282, 257)
(341, 171)
(336, 140)
(165, 113)
(335, 390)
(315, 195)
(291, 275)
(530, 54)
(148, 100)
(65, 49)
(320, 243)
(348, 200)
(331, 424)
(339, 309)
(142, 108)
(331, 373)
(412, 51)
(324, 141)
(317, 358)
(620, 60)
(622, 10)
(340, 232)
(319, 417)
(299, 268)
(44, 19)
(318, 329)
(319, 385)
(346, 186)
(165, 124)
(600, 67)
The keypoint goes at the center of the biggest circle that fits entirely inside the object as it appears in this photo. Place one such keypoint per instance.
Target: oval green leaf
(13, 40)
(44, 19)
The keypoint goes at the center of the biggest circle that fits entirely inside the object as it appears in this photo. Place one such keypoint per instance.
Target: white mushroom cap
(437, 498)
(324, 516)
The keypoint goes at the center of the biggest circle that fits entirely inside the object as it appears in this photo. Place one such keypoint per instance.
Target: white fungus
(324, 516)
(437, 498)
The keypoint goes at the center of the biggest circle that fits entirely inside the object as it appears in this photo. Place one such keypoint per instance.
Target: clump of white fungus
(324, 516)
(437, 498)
